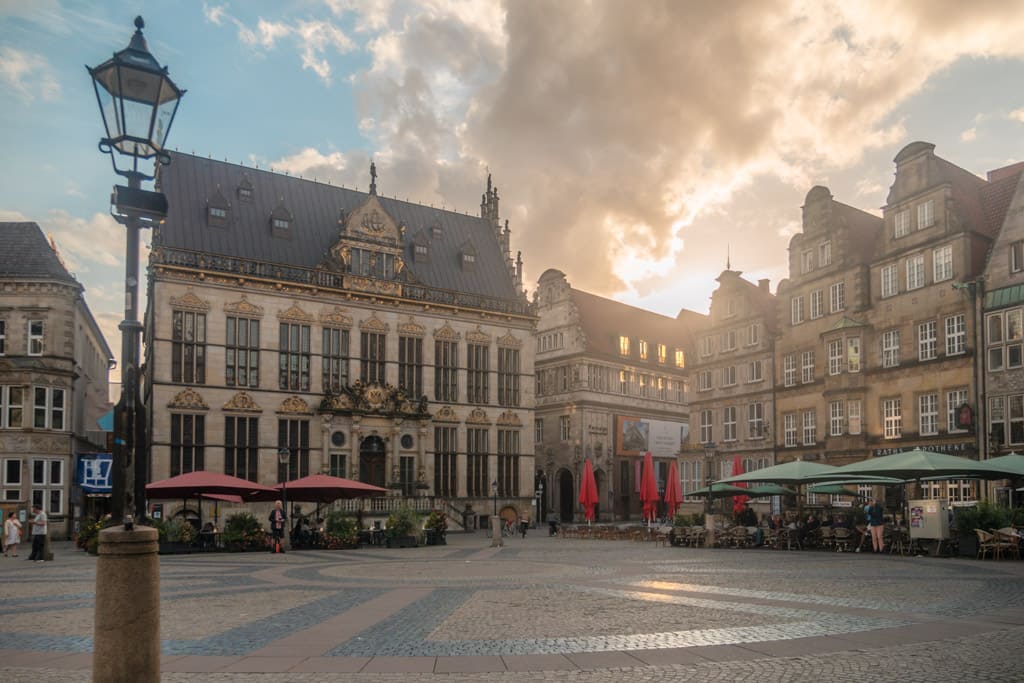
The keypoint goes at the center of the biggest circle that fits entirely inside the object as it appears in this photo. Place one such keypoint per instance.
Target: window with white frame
(729, 423)
(837, 297)
(642, 344)
(954, 399)
(662, 353)
(755, 420)
(1017, 256)
(729, 376)
(789, 429)
(926, 214)
(12, 479)
(35, 337)
(994, 341)
(563, 427)
(890, 348)
(853, 354)
(729, 340)
(706, 346)
(48, 408)
(810, 427)
(825, 254)
(789, 370)
(853, 416)
(890, 280)
(1006, 419)
(928, 414)
(915, 271)
(901, 223)
(942, 263)
(706, 427)
(693, 478)
(892, 418)
(807, 367)
(997, 419)
(11, 407)
(807, 261)
(680, 358)
(835, 356)
(704, 380)
(48, 485)
(817, 304)
(836, 418)
(754, 371)
(955, 491)
(1014, 337)
(623, 346)
(624, 382)
(956, 335)
(753, 334)
(926, 340)
(796, 310)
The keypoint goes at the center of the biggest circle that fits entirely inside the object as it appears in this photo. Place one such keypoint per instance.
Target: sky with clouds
(634, 144)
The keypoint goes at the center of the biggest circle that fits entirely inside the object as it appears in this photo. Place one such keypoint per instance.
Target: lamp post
(494, 494)
(284, 456)
(709, 458)
(137, 101)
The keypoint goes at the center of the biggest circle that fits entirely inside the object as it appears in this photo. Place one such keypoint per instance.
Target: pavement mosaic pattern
(540, 609)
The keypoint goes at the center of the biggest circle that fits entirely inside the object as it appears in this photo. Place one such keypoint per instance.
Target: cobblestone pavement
(539, 609)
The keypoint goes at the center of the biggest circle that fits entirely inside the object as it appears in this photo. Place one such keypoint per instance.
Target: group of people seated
(807, 530)
(306, 534)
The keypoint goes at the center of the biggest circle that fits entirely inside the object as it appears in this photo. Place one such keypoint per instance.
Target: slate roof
(26, 254)
(190, 181)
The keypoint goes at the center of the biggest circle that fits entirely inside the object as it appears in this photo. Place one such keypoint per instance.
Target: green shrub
(404, 521)
(341, 529)
(985, 516)
(437, 522)
(243, 530)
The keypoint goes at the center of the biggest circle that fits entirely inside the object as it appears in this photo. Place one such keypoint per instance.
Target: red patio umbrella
(738, 501)
(323, 488)
(202, 483)
(673, 490)
(588, 492)
(648, 488)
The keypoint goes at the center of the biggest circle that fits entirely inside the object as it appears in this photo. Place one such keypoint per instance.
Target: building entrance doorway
(566, 496)
(372, 461)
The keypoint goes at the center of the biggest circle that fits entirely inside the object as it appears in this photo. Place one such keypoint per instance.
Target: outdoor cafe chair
(1008, 540)
(790, 538)
(826, 538)
(987, 544)
(842, 538)
(739, 537)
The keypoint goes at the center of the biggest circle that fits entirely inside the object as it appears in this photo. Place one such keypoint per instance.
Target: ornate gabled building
(371, 338)
(54, 367)
(732, 400)
(611, 386)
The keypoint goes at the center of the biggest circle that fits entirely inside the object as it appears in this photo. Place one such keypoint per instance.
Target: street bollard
(126, 637)
(496, 540)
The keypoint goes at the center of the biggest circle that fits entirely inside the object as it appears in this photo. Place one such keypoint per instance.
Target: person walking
(12, 534)
(876, 525)
(278, 518)
(38, 535)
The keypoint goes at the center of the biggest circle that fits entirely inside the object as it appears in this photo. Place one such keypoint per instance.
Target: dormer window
(435, 232)
(643, 349)
(217, 210)
(420, 248)
(623, 346)
(281, 221)
(468, 257)
(245, 191)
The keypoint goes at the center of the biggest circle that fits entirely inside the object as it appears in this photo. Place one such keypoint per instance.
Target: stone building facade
(610, 386)
(54, 365)
(370, 338)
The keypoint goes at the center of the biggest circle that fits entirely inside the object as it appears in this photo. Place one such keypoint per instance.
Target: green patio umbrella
(795, 472)
(719, 491)
(1012, 461)
(832, 490)
(922, 464)
(766, 490)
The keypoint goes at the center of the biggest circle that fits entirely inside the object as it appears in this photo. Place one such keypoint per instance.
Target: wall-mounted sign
(634, 436)
(93, 472)
(964, 417)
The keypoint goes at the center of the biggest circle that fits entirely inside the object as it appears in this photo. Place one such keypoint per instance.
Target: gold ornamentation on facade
(369, 284)
(295, 314)
(411, 328)
(372, 222)
(295, 406)
(373, 324)
(190, 302)
(510, 341)
(478, 336)
(242, 402)
(244, 307)
(446, 333)
(477, 416)
(187, 399)
(336, 318)
(446, 414)
(509, 419)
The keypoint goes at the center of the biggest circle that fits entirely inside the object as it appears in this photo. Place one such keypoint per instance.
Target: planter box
(402, 542)
(174, 548)
(432, 537)
(968, 546)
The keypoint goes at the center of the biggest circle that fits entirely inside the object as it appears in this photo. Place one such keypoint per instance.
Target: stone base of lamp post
(126, 637)
(496, 540)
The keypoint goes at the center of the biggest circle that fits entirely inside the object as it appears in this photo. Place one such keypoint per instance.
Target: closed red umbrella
(738, 501)
(588, 491)
(648, 488)
(673, 490)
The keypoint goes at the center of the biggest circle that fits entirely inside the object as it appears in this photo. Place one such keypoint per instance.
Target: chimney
(762, 284)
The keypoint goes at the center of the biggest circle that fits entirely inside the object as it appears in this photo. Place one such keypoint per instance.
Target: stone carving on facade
(295, 406)
(189, 302)
(446, 333)
(510, 341)
(188, 399)
(338, 317)
(370, 284)
(244, 307)
(477, 416)
(374, 399)
(411, 328)
(295, 314)
(446, 414)
(242, 402)
(509, 419)
(478, 336)
(372, 222)
(373, 324)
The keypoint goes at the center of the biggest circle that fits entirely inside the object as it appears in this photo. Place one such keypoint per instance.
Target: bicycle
(508, 528)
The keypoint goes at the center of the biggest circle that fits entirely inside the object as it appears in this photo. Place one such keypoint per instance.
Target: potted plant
(242, 531)
(175, 536)
(341, 531)
(436, 528)
(402, 527)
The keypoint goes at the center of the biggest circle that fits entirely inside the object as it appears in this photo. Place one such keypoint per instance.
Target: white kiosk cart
(929, 520)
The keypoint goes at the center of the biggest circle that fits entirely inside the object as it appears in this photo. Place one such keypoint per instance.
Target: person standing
(876, 524)
(277, 526)
(38, 535)
(12, 534)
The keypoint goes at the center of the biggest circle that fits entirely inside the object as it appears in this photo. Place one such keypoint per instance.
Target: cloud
(1017, 115)
(28, 75)
(94, 245)
(969, 135)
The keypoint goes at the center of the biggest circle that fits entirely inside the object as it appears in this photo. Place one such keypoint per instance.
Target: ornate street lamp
(494, 493)
(284, 456)
(709, 459)
(137, 101)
